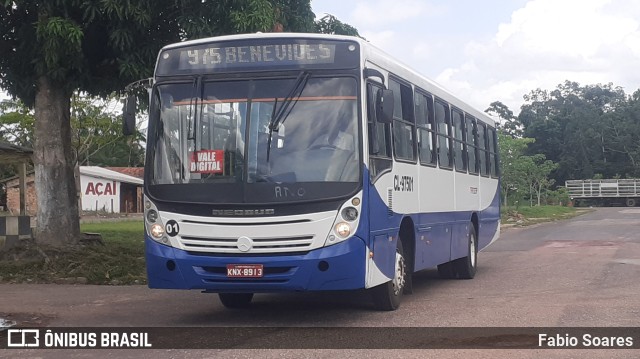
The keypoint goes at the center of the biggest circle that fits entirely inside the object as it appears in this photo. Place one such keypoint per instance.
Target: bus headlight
(343, 229)
(350, 214)
(152, 215)
(346, 221)
(156, 230)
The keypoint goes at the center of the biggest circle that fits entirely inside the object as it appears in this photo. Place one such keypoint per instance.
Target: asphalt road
(577, 273)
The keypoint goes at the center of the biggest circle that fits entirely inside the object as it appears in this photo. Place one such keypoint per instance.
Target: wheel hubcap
(398, 279)
(472, 250)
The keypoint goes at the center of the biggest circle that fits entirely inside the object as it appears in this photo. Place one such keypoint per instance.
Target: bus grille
(268, 243)
(252, 236)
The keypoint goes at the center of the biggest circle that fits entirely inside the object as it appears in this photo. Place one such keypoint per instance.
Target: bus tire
(446, 271)
(465, 268)
(236, 300)
(631, 202)
(387, 296)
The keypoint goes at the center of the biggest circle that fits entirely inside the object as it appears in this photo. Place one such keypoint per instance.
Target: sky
(499, 50)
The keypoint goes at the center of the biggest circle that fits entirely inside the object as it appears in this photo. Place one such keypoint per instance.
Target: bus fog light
(156, 231)
(350, 214)
(152, 216)
(343, 229)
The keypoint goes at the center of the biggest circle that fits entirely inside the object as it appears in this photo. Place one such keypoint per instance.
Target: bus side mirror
(129, 116)
(384, 106)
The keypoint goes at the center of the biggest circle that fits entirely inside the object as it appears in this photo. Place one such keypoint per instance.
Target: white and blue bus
(302, 162)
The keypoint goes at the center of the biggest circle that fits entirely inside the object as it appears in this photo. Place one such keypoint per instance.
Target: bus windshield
(218, 133)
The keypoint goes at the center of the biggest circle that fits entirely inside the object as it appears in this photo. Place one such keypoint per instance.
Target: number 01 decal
(172, 228)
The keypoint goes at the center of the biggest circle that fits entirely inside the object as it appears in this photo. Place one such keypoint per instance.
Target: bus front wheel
(235, 300)
(387, 296)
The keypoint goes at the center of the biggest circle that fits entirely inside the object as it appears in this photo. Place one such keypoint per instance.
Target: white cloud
(562, 28)
(423, 50)
(382, 39)
(547, 42)
(374, 13)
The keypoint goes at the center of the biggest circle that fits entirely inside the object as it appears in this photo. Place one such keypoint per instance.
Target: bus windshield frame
(209, 138)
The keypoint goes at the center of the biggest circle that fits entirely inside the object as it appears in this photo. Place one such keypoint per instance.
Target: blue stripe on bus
(172, 268)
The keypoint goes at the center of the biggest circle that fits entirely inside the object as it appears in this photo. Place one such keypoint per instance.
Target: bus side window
(482, 149)
(443, 120)
(403, 121)
(379, 136)
(459, 147)
(426, 129)
(493, 152)
(471, 144)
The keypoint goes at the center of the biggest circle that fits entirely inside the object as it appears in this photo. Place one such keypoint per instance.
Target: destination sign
(258, 54)
(239, 55)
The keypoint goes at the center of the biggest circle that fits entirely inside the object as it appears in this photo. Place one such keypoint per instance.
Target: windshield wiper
(278, 117)
(192, 125)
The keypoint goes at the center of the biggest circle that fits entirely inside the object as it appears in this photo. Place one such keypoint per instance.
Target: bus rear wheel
(631, 202)
(236, 300)
(465, 268)
(446, 270)
(387, 296)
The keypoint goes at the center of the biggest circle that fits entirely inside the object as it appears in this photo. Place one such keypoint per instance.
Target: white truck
(604, 191)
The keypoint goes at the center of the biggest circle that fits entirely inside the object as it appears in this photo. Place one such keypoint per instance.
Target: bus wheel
(465, 268)
(387, 296)
(446, 270)
(631, 202)
(235, 300)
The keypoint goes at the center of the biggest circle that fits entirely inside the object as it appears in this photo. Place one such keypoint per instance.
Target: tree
(512, 163)
(16, 127)
(55, 47)
(16, 123)
(508, 123)
(329, 24)
(537, 170)
(620, 131)
(96, 133)
(294, 15)
(584, 129)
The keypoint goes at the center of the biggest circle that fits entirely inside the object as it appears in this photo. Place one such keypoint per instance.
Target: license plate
(245, 270)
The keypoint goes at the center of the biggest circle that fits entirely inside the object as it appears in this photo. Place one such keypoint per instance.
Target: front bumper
(337, 267)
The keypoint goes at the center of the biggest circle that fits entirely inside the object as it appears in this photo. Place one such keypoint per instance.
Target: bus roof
(265, 35)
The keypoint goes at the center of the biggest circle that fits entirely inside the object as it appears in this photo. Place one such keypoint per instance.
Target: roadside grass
(525, 215)
(119, 261)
